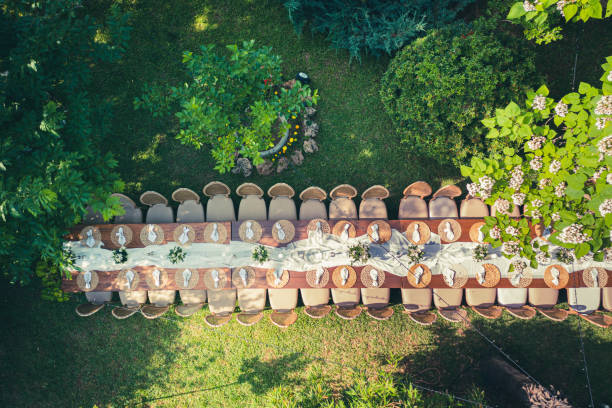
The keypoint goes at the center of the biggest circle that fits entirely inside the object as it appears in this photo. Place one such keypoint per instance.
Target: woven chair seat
(343, 190)
(450, 191)
(151, 198)
(184, 194)
(281, 190)
(313, 193)
(248, 189)
(377, 191)
(216, 188)
(418, 188)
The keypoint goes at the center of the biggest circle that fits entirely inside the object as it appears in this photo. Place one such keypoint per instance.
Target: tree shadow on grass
(262, 376)
(50, 357)
(549, 351)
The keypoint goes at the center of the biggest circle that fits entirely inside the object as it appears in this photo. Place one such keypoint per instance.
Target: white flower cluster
(486, 184)
(561, 108)
(560, 5)
(472, 189)
(518, 198)
(605, 145)
(572, 234)
(605, 207)
(604, 105)
(528, 6)
(516, 179)
(542, 258)
(519, 265)
(555, 166)
(510, 230)
(537, 203)
(495, 232)
(545, 182)
(536, 142)
(600, 123)
(539, 102)
(536, 163)
(555, 216)
(502, 206)
(535, 213)
(511, 248)
(599, 172)
(560, 189)
(608, 255)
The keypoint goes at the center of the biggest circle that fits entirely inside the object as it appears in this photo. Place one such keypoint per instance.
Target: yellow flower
(274, 158)
(292, 116)
(291, 140)
(219, 138)
(284, 149)
(295, 133)
(271, 144)
(297, 126)
(275, 93)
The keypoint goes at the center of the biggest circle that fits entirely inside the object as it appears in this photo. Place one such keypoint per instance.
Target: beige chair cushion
(512, 297)
(162, 297)
(133, 298)
(584, 300)
(375, 297)
(342, 207)
(413, 207)
(282, 208)
(220, 208)
(311, 209)
(484, 297)
(283, 299)
(416, 300)
(443, 207)
(251, 300)
(160, 214)
(346, 297)
(192, 296)
(98, 298)
(222, 301)
(190, 211)
(252, 207)
(474, 207)
(315, 297)
(132, 216)
(543, 297)
(372, 208)
(447, 298)
(606, 298)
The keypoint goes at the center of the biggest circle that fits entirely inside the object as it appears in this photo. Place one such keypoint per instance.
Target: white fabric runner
(308, 254)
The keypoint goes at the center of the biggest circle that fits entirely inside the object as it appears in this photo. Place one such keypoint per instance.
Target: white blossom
(542, 258)
(510, 230)
(545, 182)
(516, 179)
(536, 142)
(555, 166)
(511, 248)
(561, 108)
(528, 6)
(573, 234)
(600, 123)
(555, 216)
(519, 265)
(472, 189)
(486, 186)
(539, 102)
(605, 207)
(605, 145)
(495, 232)
(604, 105)
(502, 206)
(518, 198)
(599, 172)
(560, 189)
(536, 163)
(537, 203)
(560, 5)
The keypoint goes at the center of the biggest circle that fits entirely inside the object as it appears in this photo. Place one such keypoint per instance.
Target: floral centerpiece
(177, 254)
(359, 253)
(260, 254)
(120, 255)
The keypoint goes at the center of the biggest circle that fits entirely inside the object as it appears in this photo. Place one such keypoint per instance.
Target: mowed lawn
(49, 357)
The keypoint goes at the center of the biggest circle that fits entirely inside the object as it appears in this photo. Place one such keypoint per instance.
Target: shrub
(51, 167)
(232, 103)
(437, 89)
(372, 26)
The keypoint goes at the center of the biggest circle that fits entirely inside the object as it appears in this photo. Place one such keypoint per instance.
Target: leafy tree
(373, 27)
(50, 164)
(537, 16)
(556, 160)
(231, 102)
(438, 88)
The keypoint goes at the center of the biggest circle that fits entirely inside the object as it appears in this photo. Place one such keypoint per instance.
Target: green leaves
(516, 11)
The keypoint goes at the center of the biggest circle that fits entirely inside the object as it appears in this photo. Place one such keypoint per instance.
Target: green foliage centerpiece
(260, 254)
(177, 254)
(359, 253)
(480, 252)
(120, 255)
(415, 254)
(233, 103)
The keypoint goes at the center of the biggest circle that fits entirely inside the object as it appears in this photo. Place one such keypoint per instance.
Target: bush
(372, 26)
(437, 89)
(231, 102)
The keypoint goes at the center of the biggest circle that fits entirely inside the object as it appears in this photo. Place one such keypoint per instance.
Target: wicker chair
(151, 198)
(185, 194)
(189, 209)
(249, 189)
(252, 205)
(544, 301)
(342, 205)
(584, 302)
(283, 302)
(132, 215)
(413, 205)
(282, 207)
(372, 204)
(219, 206)
(312, 204)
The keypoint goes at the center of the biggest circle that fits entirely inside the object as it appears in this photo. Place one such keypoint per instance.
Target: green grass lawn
(50, 357)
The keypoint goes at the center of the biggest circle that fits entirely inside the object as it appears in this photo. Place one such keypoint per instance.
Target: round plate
(80, 280)
(237, 280)
(178, 232)
(339, 227)
(180, 280)
(144, 235)
(271, 278)
(366, 279)
(312, 225)
(492, 275)
(424, 232)
(337, 278)
(461, 276)
(311, 277)
(454, 226)
(384, 231)
(257, 231)
(122, 281)
(208, 230)
(95, 233)
(127, 234)
(425, 278)
(289, 229)
(163, 279)
(563, 277)
(474, 231)
(209, 282)
(602, 277)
